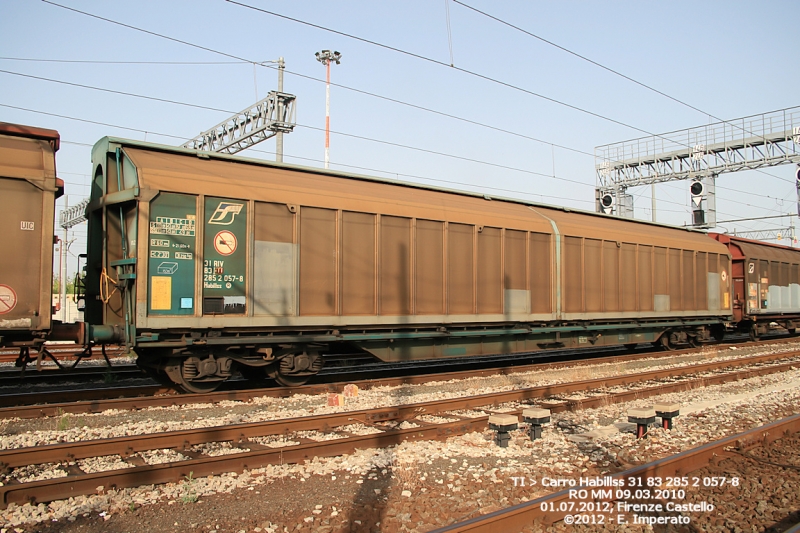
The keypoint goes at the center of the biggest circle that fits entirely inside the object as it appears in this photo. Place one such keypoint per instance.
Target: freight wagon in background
(28, 190)
(766, 284)
(204, 263)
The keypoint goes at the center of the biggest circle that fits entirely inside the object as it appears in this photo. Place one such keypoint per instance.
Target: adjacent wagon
(766, 284)
(28, 189)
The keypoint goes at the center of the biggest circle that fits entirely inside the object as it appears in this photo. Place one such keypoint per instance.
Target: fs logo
(225, 213)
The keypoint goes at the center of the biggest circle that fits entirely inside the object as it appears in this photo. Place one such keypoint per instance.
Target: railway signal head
(698, 191)
(607, 203)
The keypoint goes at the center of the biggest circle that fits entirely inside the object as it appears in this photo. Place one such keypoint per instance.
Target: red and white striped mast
(326, 57)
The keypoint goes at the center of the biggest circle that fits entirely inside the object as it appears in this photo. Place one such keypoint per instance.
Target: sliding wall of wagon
(613, 276)
(363, 264)
(326, 250)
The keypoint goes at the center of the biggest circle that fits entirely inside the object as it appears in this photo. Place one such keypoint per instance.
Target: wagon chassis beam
(156, 342)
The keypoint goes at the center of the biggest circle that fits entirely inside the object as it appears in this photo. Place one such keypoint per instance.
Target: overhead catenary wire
(250, 61)
(119, 62)
(362, 168)
(390, 172)
(617, 73)
(353, 166)
(198, 106)
(444, 64)
(584, 58)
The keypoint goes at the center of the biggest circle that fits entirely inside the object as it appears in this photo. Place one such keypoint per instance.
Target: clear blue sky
(729, 59)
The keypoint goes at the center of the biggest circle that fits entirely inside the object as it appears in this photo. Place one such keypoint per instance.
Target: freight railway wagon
(28, 189)
(766, 284)
(204, 262)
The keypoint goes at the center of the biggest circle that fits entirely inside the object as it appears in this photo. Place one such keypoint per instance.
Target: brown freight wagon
(766, 284)
(202, 262)
(28, 190)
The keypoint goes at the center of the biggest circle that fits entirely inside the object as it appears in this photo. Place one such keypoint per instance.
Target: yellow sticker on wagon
(160, 293)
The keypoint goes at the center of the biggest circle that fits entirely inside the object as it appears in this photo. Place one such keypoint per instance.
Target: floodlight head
(326, 57)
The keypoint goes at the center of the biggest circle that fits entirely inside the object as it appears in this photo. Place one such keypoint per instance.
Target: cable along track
(386, 426)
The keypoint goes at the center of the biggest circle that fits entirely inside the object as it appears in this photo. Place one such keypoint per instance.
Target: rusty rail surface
(261, 455)
(29, 405)
(546, 510)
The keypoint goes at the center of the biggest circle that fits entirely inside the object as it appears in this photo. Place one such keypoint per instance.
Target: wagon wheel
(183, 372)
(753, 333)
(289, 380)
(294, 370)
(631, 346)
(665, 342)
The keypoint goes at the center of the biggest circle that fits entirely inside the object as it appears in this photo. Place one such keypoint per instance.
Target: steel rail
(29, 405)
(546, 510)
(11, 377)
(260, 455)
(239, 432)
(793, 529)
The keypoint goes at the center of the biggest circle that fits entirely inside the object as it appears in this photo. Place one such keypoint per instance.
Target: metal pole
(279, 136)
(327, 113)
(63, 284)
(325, 57)
(653, 200)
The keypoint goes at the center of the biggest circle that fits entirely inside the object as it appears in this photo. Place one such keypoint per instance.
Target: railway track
(57, 386)
(40, 403)
(65, 353)
(339, 433)
(719, 486)
(10, 379)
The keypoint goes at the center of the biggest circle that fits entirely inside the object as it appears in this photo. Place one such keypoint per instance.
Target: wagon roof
(31, 132)
(750, 249)
(168, 166)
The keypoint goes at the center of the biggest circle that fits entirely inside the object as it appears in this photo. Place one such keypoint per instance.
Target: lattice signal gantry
(264, 119)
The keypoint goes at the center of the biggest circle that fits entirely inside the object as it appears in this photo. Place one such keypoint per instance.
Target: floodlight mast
(326, 57)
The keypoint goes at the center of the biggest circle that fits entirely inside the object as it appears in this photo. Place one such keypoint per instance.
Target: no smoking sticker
(8, 299)
(225, 242)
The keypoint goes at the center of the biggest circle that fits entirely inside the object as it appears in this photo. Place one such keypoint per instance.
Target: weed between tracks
(64, 421)
(190, 493)
(109, 376)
